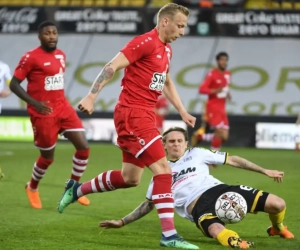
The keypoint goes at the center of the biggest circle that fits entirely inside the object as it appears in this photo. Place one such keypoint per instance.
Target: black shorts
(204, 213)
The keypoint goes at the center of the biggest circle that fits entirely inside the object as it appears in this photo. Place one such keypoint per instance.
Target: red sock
(39, 170)
(163, 199)
(200, 137)
(216, 143)
(80, 160)
(104, 182)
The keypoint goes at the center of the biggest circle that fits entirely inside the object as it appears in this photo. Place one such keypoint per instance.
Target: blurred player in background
(216, 86)
(196, 192)
(161, 110)
(298, 142)
(146, 59)
(5, 78)
(50, 112)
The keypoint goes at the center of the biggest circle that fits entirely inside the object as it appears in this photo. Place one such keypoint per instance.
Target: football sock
(207, 137)
(104, 182)
(39, 170)
(216, 143)
(164, 203)
(277, 220)
(224, 235)
(80, 160)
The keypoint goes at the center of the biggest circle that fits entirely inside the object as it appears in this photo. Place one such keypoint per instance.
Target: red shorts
(46, 129)
(138, 136)
(217, 119)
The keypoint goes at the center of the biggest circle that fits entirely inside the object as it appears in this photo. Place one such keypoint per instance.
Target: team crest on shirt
(61, 59)
(168, 53)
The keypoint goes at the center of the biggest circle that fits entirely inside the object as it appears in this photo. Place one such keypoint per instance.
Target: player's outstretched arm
(86, 105)
(143, 209)
(107, 73)
(242, 163)
(172, 95)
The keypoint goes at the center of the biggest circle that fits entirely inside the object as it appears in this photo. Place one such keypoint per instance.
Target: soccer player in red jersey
(216, 86)
(161, 110)
(50, 112)
(146, 59)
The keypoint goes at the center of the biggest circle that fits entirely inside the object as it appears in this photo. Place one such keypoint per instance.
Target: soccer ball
(231, 207)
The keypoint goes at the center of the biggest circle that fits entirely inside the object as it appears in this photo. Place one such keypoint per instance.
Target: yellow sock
(224, 235)
(277, 220)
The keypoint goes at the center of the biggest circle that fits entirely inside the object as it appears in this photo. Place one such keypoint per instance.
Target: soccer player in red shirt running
(216, 86)
(161, 110)
(146, 59)
(50, 112)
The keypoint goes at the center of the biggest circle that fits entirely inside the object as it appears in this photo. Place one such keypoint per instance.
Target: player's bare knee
(47, 154)
(274, 204)
(225, 137)
(214, 229)
(131, 182)
(161, 167)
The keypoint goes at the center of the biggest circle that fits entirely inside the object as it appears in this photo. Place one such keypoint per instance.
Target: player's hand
(111, 224)
(86, 105)
(276, 175)
(42, 108)
(5, 93)
(188, 119)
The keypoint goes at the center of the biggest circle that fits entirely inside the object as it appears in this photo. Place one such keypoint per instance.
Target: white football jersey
(4, 75)
(191, 177)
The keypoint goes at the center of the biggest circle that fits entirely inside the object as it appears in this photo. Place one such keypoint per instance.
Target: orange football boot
(285, 233)
(33, 197)
(84, 201)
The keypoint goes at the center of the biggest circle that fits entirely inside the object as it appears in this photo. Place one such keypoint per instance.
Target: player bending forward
(50, 112)
(146, 59)
(195, 191)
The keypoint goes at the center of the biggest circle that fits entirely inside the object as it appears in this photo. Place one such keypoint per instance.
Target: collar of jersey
(174, 160)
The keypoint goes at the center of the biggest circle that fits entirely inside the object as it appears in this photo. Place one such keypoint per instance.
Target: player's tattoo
(248, 165)
(105, 75)
(143, 209)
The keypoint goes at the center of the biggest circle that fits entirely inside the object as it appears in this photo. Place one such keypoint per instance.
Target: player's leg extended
(154, 157)
(107, 181)
(80, 158)
(220, 136)
(45, 140)
(276, 207)
(212, 227)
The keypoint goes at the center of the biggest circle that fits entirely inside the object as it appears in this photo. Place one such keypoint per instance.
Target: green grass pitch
(22, 227)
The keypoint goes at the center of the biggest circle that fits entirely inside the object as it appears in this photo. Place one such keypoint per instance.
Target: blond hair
(171, 9)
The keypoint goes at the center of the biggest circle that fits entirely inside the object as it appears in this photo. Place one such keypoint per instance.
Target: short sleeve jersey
(145, 77)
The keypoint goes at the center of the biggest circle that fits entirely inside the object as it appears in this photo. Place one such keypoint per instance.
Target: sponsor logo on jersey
(158, 81)
(177, 176)
(55, 82)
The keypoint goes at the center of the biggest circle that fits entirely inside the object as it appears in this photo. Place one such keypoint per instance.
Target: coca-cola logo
(23, 15)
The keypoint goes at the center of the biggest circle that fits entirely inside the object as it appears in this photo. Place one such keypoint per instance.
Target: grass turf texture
(22, 227)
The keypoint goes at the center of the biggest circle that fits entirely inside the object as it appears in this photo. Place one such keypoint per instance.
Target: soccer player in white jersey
(195, 191)
(5, 77)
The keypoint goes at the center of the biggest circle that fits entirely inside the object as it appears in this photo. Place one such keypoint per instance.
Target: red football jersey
(216, 79)
(45, 75)
(162, 103)
(144, 78)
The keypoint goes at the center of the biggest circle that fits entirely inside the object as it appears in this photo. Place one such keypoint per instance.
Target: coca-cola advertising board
(201, 22)
(21, 20)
